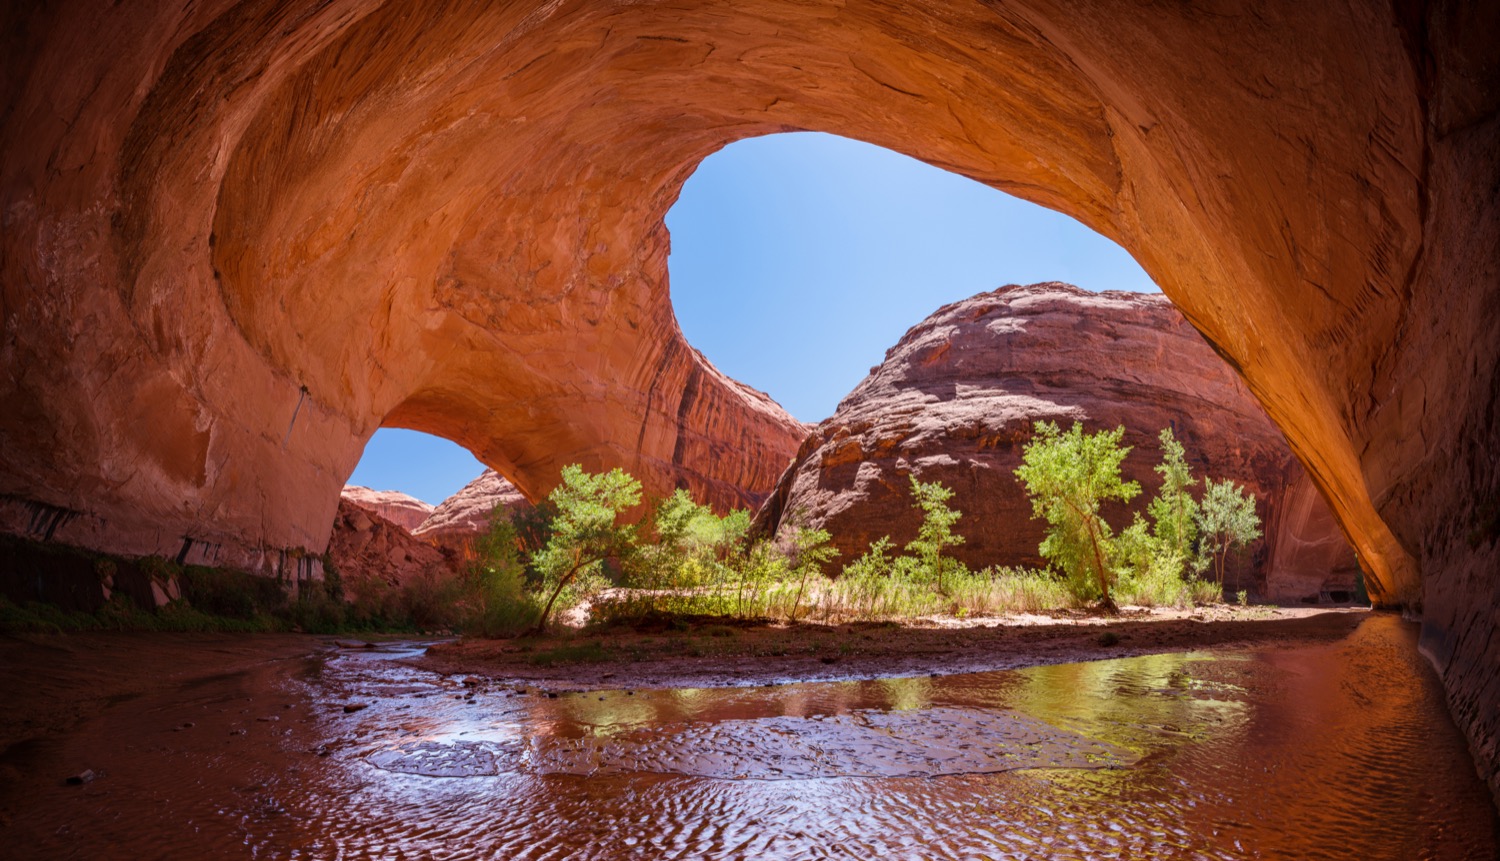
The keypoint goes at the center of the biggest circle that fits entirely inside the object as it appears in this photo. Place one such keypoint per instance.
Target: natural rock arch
(241, 236)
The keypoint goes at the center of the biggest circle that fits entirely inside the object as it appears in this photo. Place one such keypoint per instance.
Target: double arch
(291, 222)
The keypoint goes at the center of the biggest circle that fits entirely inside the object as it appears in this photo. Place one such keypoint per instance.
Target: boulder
(956, 399)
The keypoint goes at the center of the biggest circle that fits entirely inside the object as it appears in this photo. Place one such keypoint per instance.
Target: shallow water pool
(1340, 750)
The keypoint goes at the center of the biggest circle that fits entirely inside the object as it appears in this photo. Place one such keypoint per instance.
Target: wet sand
(1317, 735)
(715, 655)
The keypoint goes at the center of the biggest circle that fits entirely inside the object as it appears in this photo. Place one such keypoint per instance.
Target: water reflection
(1326, 751)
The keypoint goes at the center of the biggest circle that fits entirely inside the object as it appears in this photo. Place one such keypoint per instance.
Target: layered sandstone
(240, 235)
(406, 511)
(466, 514)
(373, 554)
(957, 397)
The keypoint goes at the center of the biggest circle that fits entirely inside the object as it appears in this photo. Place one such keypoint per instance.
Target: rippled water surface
(1318, 751)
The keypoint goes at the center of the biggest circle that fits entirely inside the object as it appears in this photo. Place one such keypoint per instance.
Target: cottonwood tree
(495, 578)
(1068, 476)
(936, 532)
(1174, 512)
(806, 554)
(586, 530)
(1226, 519)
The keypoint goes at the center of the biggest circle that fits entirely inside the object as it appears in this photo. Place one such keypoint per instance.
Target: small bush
(231, 594)
(1206, 592)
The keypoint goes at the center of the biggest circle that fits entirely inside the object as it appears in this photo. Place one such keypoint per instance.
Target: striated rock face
(955, 400)
(370, 552)
(466, 514)
(405, 511)
(240, 235)
(1310, 559)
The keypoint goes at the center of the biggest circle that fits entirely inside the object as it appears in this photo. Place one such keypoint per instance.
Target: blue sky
(797, 259)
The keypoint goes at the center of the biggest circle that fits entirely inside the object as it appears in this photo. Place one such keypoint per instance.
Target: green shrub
(495, 601)
(1068, 476)
(936, 532)
(1206, 592)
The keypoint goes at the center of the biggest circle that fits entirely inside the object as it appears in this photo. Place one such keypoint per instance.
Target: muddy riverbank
(712, 654)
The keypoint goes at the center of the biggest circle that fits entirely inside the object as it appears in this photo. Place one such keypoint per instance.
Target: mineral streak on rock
(240, 236)
(406, 511)
(956, 400)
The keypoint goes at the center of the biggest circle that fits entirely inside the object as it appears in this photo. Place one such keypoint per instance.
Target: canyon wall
(406, 511)
(462, 517)
(1309, 556)
(240, 235)
(373, 554)
(956, 398)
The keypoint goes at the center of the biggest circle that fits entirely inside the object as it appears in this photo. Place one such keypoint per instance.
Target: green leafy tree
(694, 551)
(1068, 477)
(585, 530)
(495, 582)
(1135, 549)
(533, 528)
(807, 553)
(1174, 512)
(936, 532)
(1226, 519)
(688, 530)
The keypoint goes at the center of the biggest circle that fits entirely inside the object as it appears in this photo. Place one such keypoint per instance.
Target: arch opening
(799, 258)
(423, 466)
(1048, 108)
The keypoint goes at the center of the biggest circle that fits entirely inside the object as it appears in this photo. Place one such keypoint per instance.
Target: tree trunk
(1107, 604)
(562, 583)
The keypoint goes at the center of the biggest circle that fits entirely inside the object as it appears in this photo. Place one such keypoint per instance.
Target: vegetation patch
(573, 653)
(681, 566)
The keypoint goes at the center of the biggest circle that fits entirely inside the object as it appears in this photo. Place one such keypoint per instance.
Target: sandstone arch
(241, 236)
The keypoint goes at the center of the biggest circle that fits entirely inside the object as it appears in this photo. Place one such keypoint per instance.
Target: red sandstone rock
(240, 236)
(466, 514)
(371, 552)
(1310, 557)
(408, 512)
(956, 399)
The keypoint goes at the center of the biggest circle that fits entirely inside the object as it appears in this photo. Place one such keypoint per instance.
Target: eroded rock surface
(240, 236)
(406, 511)
(372, 553)
(1310, 560)
(956, 399)
(466, 514)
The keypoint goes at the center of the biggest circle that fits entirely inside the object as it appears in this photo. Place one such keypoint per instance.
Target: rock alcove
(239, 237)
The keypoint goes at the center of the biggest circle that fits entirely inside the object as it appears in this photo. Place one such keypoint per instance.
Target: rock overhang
(242, 235)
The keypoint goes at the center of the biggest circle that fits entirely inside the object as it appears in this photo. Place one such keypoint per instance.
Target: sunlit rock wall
(464, 516)
(240, 236)
(404, 510)
(955, 400)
